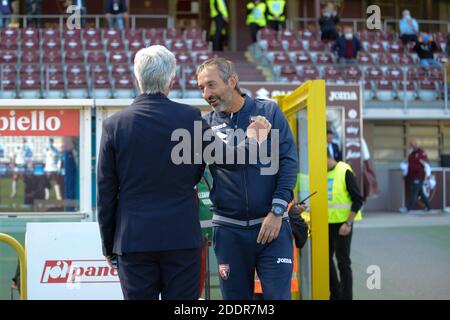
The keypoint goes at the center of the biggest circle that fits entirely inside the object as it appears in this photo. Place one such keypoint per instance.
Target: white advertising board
(65, 262)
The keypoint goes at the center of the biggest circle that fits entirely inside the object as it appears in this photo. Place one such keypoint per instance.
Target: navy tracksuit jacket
(243, 194)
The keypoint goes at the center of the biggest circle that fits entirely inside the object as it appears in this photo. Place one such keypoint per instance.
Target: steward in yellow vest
(256, 19)
(219, 16)
(344, 207)
(276, 14)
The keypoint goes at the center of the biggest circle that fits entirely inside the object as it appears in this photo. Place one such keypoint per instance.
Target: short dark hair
(225, 67)
(329, 131)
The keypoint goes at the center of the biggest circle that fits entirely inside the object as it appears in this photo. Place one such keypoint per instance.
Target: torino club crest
(224, 271)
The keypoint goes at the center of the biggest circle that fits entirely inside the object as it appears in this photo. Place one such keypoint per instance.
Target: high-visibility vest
(275, 9)
(257, 15)
(221, 8)
(339, 201)
(294, 280)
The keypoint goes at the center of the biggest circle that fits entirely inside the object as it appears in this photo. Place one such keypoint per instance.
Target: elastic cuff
(280, 202)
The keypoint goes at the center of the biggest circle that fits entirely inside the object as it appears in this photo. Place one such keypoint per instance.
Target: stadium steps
(246, 70)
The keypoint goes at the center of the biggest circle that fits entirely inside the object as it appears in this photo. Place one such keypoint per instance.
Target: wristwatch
(278, 210)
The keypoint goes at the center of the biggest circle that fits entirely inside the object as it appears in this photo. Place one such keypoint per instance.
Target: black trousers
(340, 288)
(416, 189)
(254, 28)
(276, 25)
(174, 274)
(218, 38)
(408, 38)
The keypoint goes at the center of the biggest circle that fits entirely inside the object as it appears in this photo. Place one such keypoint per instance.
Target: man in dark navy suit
(333, 147)
(147, 209)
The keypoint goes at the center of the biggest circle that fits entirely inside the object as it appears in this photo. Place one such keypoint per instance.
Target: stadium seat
(73, 56)
(114, 45)
(366, 36)
(74, 34)
(179, 46)
(183, 58)
(120, 69)
(100, 86)
(287, 73)
(281, 58)
(76, 70)
(293, 46)
(442, 58)
(308, 72)
(364, 59)
(29, 69)
(123, 87)
(394, 74)
(30, 57)
(134, 35)
(97, 57)
(406, 90)
(416, 73)
(191, 87)
(30, 45)
(387, 36)
(315, 46)
(386, 58)
(10, 34)
(30, 86)
(373, 73)
(266, 35)
(50, 34)
(302, 57)
(93, 45)
(352, 73)
(274, 46)
(153, 42)
(54, 87)
(307, 35)
(385, 90)
(154, 33)
(73, 45)
(427, 90)
(135, 45)
(395, 47)
(331, 73)
(118, 57)
(98, 68)
(435, 74)
(92, 34)
(29, 34)
(77, 87)
(405, 59)
(8, 44)
(8, 86)
(174, 34)
(375, 47)
(53, 56)
(111, 35)
(324, 58)
(177, 91)
(8, 57)
(368, 91)
(202, 57)
(200, 46)
(195, 34)
(288, 36)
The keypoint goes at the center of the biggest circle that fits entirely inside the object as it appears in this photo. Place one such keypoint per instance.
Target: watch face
(278, 210)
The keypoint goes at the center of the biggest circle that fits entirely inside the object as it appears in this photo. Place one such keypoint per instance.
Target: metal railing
(295, 22)
(23, 262)
(94, 20)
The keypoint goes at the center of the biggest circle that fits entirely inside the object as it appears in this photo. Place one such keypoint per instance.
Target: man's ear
(232, 82)
(138, 84)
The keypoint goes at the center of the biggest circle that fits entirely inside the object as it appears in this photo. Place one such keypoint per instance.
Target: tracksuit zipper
(244, 173)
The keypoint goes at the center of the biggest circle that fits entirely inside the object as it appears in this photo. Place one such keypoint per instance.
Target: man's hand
(270, 229)
(345, 230)
(259, 129)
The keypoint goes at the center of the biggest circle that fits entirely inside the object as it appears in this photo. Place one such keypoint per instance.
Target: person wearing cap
(425, 49)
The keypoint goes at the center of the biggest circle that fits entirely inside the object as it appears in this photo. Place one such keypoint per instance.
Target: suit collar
(145, 96)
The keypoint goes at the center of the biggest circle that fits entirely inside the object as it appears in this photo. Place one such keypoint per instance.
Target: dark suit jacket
(146, 202)
(336, 152)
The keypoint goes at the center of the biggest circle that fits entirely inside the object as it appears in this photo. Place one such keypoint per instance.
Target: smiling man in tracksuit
(251, 226)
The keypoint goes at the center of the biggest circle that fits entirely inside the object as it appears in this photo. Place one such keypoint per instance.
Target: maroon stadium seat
(281, 58)
(112, 35)
(368, 90)
(373, 73)
(74, 34)
(134, 35)
(50, 34)
(385, 90)
(416, 73)
(406, 90)
(287, 73)
(54, 87)
(294, 46)
(195, 34)
(123, 86)
(101, 86)
(29, 33)
(427, 90)
(9, 44)
(73, 56)
(10, 34)
(202, 57)
(51, 45)
(266, 35)
(91, 34)
(394, 74)
(154, 33)
(324, 58)
(114, 45)
(95, 57)
(77, 86)
(316, 45)
(118, 57)
(8, 86)
(274, 46)
(94, 45)
(375, 47)
(405, 59)
(364, 59)
(395, 47)
(200, 46)
(303, 57)
(30, 86)
(386, 58)
(288, 36)
(183, 58)
(179, 46)
(51, 56)
(352, 73)
(307, 35)
(308, 72)
(8, 57)
(73, 44)
(174, 34)
(331, 73)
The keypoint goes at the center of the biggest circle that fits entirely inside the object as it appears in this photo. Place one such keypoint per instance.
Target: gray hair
(225, 67)
(154, 67)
